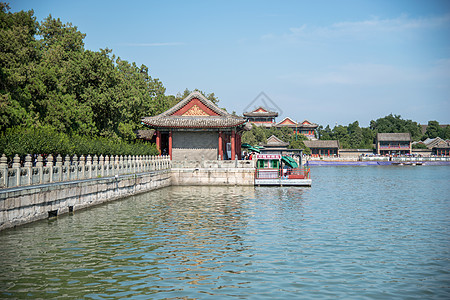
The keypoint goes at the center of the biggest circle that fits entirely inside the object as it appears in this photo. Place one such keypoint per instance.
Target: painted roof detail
(194, 111)
(286, 122)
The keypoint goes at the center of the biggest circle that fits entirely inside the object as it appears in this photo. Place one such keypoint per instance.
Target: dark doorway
(165, 143)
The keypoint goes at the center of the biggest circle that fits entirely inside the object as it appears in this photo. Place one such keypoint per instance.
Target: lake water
(358, 232)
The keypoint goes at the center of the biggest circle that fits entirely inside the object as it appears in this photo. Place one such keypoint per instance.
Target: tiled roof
(394, 137)
(311, 124)
(168, 120)
(322, 144)
(273, 141)
(266, 113)
(279, 124)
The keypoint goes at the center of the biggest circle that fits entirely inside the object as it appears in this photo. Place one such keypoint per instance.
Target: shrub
(46, 140)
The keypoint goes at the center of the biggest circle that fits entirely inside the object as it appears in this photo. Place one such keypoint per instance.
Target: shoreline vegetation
(57, 97)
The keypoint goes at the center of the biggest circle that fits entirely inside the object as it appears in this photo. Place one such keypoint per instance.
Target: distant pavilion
(393, 143)
(197, 129)
(323, 147)
(266, 118)
(306, 127)
(261, 117)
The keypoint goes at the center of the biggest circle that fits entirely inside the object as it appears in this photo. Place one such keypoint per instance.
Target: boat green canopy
(254, 149)
(245, 145)
(289, 161)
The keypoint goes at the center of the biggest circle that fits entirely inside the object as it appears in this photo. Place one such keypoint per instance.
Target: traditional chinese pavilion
(197, 129)
(261, 117)
(393, 143)
(306, 127)
(323, 147)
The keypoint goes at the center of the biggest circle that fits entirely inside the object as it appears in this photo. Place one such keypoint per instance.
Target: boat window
(274, 164)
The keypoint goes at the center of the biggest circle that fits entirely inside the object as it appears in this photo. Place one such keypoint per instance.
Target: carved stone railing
(35, 172)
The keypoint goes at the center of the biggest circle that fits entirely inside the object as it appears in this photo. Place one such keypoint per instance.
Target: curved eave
(192, 126)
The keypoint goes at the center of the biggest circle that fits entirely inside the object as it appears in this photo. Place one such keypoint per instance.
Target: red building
(261, 117)
(393, 143)
(306, 127)
(197, 129)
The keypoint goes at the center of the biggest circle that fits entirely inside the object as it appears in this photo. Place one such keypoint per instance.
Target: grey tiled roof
(167, 120)
(322, 144)
(394, 137)
(273, 141)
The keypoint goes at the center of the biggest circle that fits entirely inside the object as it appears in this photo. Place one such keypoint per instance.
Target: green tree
(210, 96)
(340, 133)
(433, 130)
(324, 133)
(19, 54)
(394, 124)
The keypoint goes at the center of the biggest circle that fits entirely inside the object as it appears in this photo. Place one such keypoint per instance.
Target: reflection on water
(356, 233)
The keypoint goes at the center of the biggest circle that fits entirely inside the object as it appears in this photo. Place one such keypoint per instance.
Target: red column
(220, 145)
(158, 141)
(239, 150)
(170, 144)
(233, 144)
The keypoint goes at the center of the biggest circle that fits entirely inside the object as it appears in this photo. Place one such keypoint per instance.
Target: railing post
(75, 166)
(66, 166)
(81, 164)
(16, 167)
(101, 163)
(121, 165)
(95, 166)
(89, 165)
(106, 165)
(40, 165)
(116, 165)
(4, 171)
(49, 165)
(28, 164)
(59, 167)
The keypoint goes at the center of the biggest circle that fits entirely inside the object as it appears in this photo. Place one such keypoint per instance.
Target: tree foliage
(395, 124)
(46, 139)
(48, 78)
(210, 96)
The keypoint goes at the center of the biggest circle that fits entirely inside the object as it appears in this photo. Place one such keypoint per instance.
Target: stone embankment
(37, 190)
(213, 172)
(30, 193)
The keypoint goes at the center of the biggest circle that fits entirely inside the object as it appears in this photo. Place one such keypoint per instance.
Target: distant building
(306, 127)
(266, 118)
(393, 143)
(323, 147)
(438, 146)
(274, 145)
(196, 129)
(261, 117)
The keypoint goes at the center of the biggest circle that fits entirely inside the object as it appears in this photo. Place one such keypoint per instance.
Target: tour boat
(278, 170)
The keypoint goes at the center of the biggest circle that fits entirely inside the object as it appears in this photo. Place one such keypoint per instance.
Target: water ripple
(371, 233)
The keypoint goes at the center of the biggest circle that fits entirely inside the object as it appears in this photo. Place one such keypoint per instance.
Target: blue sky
(326, 61)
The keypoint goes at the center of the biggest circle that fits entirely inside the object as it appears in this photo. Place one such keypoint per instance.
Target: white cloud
(365, 29)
